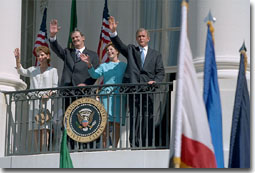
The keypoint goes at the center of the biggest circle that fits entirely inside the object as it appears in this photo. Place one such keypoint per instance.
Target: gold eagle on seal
(85, 118)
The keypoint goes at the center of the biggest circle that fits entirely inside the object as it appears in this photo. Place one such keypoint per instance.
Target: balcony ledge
(105, 159)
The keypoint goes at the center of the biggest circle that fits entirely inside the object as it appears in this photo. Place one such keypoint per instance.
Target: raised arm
(20, 69)
(118, 44)
(54, 28)
(112, 24)
(86, 59)
(17, 56)
(93, 73)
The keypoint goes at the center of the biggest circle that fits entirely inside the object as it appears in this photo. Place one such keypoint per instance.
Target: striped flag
(41, 39)
(104, 36)
(104, 39)
(191, 143)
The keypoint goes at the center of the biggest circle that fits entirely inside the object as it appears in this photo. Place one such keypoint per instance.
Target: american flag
(41, 39)
(104, 36)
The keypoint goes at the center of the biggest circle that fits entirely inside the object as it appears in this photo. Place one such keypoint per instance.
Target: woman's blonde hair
(44, 49)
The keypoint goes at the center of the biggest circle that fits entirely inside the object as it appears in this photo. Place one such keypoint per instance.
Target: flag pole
(73, 23)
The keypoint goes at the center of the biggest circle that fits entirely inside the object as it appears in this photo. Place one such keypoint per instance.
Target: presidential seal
(85, 120)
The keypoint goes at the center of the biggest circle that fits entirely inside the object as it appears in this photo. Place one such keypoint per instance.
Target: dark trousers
(141, 119)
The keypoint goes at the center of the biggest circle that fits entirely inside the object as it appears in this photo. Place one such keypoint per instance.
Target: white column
(232, 28)
(10, 39)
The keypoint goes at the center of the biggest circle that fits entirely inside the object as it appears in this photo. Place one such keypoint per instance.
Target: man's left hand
(81, 84)
(151, 82)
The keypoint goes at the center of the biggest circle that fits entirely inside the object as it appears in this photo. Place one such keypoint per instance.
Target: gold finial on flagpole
(209, 19)
(243, 50)
(184, 2)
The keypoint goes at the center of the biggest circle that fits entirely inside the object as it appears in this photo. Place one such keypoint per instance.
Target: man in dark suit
(75, 71)
(144, 65)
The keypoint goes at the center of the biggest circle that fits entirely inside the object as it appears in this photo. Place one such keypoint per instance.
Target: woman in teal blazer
(112, 72)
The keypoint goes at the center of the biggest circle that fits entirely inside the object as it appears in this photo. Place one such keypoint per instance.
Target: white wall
(9, 79)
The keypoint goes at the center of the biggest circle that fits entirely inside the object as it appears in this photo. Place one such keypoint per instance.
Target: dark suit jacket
(74, 72)
(153, 68)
